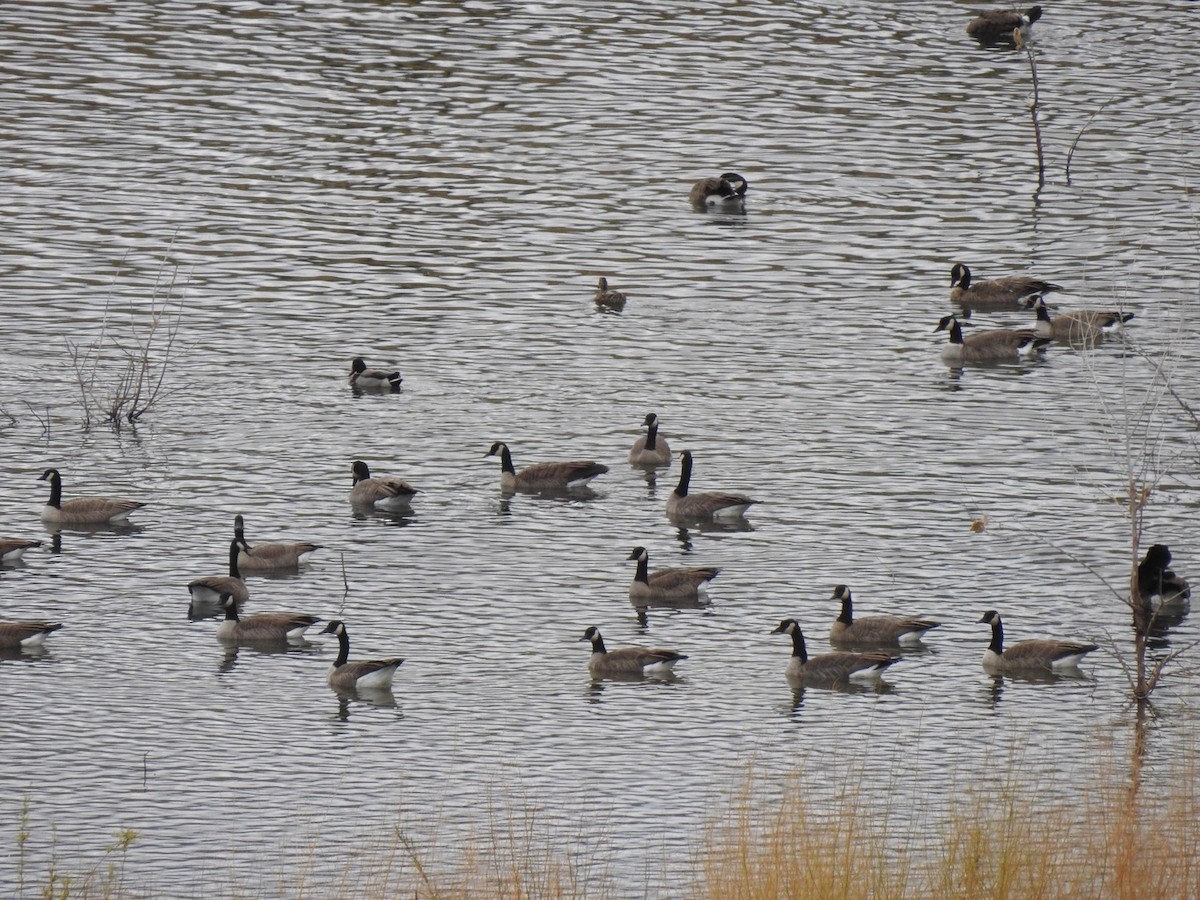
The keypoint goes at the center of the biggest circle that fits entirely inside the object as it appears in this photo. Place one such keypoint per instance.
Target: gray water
(437, 186)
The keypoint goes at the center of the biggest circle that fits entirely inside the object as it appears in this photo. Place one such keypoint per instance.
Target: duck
(831, 667)
(82, 510)
(993, 345)
(263, 627)
(15, 635)
(269, 557)
(1077, 325)
(875, 630)
(649, 449)
(12, 549)
(209, 590)
(727, 189)
(544, 476)
(1157, 584)
(379, 493)
(1011, 292)
(373, 379)
(628, 661)
(704, 505)
(608, 298)
(370, 674)
(1025, 656)
(667, 584)
(994, 26)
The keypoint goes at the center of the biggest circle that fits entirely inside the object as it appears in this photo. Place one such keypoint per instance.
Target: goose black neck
(652, 437)
(997, 644)
(685, 475)
(55, 491)
(956, 335)
(598, 645)
(964, 280)
(798, 647)
(231, 613)
(643, 569)
(506, 463)
(343, 648)
(234, 547)
(847, 614)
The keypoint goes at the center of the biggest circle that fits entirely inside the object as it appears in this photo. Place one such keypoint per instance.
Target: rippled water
(438, 186)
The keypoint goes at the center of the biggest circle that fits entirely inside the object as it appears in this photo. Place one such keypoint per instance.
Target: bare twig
(1071, 152)
(1033, 106)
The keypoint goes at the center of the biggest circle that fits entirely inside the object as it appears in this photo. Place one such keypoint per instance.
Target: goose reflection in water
(379, 698)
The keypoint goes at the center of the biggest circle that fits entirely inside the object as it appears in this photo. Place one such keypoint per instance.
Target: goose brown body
(262, 627)
(628, 661)
(993, 345)
(1077, 325)
(995, 26)
(12, 549)
(209, 590)
(1009, 292)
(833, 667)
(544, 476)
(379, 493)
(667, 584)
(348, 674)
(14, 635)
(608, 298)
(269, 557)
(82, 510)
(876, 631)
(1039, 654)
(650, 449)
(705, 504)
(725, 189)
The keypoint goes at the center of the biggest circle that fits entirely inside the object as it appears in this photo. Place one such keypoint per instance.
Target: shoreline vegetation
(1003, 836)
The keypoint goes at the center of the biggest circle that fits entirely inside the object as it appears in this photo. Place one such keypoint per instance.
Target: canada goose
(628, 660)
(1078, 325)
(12, 549)
(1158, 585)
(831, 667)
(607, 298)
(1007, 292)
(82, 510)
(263, 627)
(14, 635)
(361, 673)
(727, 189)
(877, 630)
(372, 379)
(993, 345)
(997, 25)
(208, 590)
(649, 449)
(545, 476)
(704, 505)
(1026, 655)
(269, 557)
(380, 493)
(667, 584)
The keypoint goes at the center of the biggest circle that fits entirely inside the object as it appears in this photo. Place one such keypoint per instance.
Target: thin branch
(1071, 152)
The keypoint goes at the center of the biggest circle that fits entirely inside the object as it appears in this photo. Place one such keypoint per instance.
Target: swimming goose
(14, 635)
(12, 549)
(876, 630)
(667, 584)
(1159, 585)
(627, 660)
(263, 627)
(373, 379)
(361, 673)
(650, 449)
(704, 505)
(82, 510)
(269, 557)
(210, 589)
(993, 345)
(1029, 655)
(831, 667)
(726, 189)
(607, 298)
(1078, 325)
(380, 493)
(997, 25)
(1008, 292)
(545, 476)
